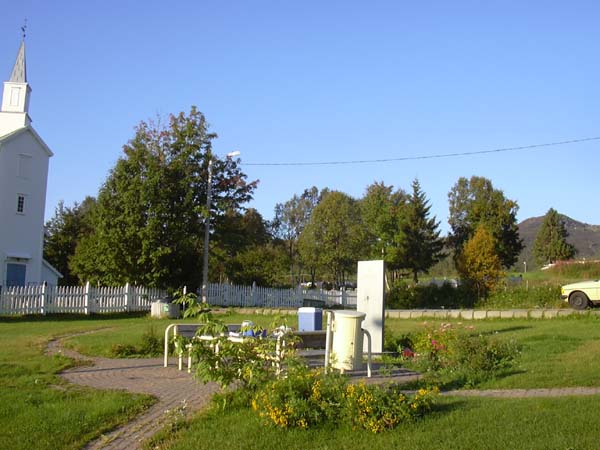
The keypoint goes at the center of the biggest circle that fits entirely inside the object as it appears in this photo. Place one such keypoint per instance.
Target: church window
(20, 204)
(15, 96)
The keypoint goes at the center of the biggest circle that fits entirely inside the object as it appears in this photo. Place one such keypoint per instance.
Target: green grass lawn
(456, 423)
(555, 352)
(41, 411)
(38, 409)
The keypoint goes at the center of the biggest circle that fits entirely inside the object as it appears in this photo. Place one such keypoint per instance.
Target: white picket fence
(20, 300)
(254, 296)
(76, 299)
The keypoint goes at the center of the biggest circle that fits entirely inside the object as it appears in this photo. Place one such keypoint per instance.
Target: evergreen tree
(479, 263)
(421, 245)
(551, 241)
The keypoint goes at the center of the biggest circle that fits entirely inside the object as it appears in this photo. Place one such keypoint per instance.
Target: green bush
(305, 399)
(545, 296)
(404, 296)
(451, 355)
(152, 345)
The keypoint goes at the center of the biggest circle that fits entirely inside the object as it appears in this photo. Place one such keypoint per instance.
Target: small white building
(24, 158)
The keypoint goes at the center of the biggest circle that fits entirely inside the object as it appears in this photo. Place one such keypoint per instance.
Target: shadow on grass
(505, 330)
(71, 317)
(447, 383)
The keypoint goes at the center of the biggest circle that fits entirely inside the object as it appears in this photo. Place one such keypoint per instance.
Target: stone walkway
(175, 391)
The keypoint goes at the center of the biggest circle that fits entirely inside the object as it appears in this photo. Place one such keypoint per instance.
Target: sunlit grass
(38, 409)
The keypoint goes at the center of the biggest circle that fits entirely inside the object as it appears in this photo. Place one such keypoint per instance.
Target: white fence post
(43, 300)
(128, 297)
(86, 299)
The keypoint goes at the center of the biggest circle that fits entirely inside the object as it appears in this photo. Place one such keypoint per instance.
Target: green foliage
(421, 246)
(479, 264)
(452, 356)
(152, 344)
(308, 399)
(194, 308)
(244, 252)
(551, 244)
(334, 238)
(382, 210)
(576, 271)
(510, 297)
(404, 296)
(63, 232)
(150, 212)
(262, 265)
(290, 219)
(475, 202)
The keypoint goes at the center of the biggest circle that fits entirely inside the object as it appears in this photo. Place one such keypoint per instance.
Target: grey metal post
(207, 231)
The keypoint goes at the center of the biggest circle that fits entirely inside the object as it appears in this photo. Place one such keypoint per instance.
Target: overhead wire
(420, 157)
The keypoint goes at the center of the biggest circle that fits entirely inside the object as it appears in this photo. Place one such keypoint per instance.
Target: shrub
(522, 297)
(152, 342)
(403, 296)
(151, 345)
(379, 408)
(306, 399)
(449, 355)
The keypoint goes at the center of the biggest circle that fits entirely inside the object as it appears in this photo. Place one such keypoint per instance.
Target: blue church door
(15, 274)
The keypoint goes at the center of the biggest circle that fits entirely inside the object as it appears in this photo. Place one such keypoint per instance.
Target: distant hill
(585, 238)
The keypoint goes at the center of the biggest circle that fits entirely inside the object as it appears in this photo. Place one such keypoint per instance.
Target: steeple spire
(19, 72)
(15, 99)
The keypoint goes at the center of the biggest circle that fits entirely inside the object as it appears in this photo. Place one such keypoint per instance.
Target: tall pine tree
(551, 241)
(420, 245)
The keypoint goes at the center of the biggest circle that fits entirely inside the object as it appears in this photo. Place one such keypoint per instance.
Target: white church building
(24, 158)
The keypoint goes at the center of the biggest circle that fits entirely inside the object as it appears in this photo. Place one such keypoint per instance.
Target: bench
(189, 331)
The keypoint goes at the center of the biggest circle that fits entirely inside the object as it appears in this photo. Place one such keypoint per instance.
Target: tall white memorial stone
(371, 300)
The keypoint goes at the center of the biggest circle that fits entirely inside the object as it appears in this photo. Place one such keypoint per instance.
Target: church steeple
(15, 99)
(19, 72)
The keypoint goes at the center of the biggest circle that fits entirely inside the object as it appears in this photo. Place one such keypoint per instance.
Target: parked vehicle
(581, 295)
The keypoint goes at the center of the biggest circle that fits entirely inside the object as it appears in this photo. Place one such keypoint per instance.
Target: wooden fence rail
(86, 299)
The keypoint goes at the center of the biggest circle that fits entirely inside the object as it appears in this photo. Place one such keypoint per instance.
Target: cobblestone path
(171, 387)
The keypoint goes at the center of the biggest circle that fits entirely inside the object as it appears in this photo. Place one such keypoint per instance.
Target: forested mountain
(585, 238)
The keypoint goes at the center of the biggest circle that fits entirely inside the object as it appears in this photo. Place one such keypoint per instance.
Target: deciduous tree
(63, 231)
(334, 238)
(476, 202)
(290, 219)
(150, 215)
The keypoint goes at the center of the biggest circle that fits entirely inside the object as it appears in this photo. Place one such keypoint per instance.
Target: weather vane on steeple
(24, 28)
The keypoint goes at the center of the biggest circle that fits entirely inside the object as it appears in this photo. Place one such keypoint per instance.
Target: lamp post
(207, 223)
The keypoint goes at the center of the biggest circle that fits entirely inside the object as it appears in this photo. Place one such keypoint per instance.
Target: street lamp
(207, 223)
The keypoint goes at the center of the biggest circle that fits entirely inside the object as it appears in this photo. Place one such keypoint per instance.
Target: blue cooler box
(310, 319)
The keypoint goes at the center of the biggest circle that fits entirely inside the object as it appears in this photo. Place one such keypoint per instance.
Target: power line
(412, 158)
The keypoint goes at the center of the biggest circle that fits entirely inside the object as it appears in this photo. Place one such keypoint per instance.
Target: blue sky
(322, 81)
